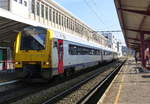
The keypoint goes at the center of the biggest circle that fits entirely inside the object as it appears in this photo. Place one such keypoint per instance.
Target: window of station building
(67, 22)
(62, 20)
(76, 27)
(54, 16)
(71, 24)
(59, 19)
(33, 6)
(38, 8)
(42, 10)
(25, 3)
(20, 1)
(50, 14)
(46, 12)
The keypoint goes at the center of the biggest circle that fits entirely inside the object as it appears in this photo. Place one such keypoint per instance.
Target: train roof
(78, 40)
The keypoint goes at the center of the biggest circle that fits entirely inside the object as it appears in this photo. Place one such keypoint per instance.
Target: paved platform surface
(131, 86)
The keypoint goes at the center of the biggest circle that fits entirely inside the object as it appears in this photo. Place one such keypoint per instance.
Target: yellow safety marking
(18, 42)
(119, 90)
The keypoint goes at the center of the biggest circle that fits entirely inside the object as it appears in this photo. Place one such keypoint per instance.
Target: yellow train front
(33, 55)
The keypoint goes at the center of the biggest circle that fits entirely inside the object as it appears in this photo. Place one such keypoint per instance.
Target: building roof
(134, 17)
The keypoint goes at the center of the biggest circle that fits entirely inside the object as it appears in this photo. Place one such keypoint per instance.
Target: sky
(100, 15)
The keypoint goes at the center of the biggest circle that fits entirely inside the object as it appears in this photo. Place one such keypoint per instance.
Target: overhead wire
(99, 18)
(116, 31)
(95, 13)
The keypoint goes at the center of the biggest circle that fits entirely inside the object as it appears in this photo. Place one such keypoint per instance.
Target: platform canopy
(11, 24)
(134, 17)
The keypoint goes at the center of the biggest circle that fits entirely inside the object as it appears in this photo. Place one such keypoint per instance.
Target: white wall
(20, 8)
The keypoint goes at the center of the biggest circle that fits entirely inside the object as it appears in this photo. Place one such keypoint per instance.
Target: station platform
(130, 86)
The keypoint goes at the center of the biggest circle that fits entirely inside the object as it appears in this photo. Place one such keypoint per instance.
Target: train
(42, 52)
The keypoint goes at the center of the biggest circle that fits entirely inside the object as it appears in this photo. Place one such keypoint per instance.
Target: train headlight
(47, 63)
(17, 62)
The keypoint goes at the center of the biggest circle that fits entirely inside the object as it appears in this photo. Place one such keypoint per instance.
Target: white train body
(80, 61)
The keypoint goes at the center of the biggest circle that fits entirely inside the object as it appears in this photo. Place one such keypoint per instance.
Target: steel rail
(94, 95)
(59, 96)
(8, 82)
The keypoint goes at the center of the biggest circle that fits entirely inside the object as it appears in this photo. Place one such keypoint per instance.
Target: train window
(46, 12)
(50, 14)
(42, 10)
(33, 6)
(103, 52)
(25, 3)
(80, 50)
(37, 8)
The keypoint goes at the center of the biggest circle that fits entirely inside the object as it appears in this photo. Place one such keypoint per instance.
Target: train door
(1, 59)
(101, 55)
(60, 56)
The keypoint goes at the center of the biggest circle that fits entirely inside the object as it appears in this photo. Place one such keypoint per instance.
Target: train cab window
(33, 38)
(37, 8)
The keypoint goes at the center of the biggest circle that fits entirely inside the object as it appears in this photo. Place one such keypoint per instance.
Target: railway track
(96, 93)
(26, 94)
(72, 95)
